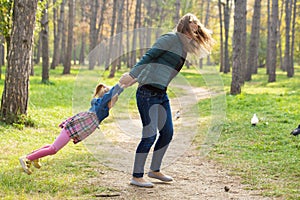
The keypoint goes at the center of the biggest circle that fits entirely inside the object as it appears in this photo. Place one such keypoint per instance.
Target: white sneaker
(25, 163)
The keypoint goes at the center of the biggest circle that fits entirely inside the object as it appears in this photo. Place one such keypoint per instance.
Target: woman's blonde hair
(202, 41)
(99, 90)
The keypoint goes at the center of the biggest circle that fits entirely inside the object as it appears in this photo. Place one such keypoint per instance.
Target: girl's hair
(99, 90)
(202, 40)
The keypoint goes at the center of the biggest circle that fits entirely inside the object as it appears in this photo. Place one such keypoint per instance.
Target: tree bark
(83, 34)
(67, 62)
(226, 26)
(135, 33)
(273, 41)
(38, 49)
(45, 45)
(94, 29)
(111, 40)
(291, 70)
(1, 54)
(62, 21)
(288, 13)
(15, 95)
(57, 33)
(254, 42)
(177, 12)
(221, 37)
(244, 40)
(268, 59)
(237, 47)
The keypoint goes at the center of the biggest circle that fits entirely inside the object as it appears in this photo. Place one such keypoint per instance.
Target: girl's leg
(59, 143)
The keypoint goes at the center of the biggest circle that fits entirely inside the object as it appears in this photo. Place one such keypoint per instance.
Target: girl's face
(105, 89)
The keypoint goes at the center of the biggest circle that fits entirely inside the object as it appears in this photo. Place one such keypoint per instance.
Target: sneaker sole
(23, 164)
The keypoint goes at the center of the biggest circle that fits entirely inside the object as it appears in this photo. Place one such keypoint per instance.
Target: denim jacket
(160, 64)
(100, 105)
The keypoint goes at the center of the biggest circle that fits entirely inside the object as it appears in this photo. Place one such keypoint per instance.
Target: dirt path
(195, 177)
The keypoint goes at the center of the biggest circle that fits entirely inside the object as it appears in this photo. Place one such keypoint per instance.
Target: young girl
(77, 127)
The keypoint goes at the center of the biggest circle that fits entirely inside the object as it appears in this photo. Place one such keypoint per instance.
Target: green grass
(267, 157)
(65, 175)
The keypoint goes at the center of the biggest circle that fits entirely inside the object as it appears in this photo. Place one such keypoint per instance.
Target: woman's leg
(59, 143)
(165, 126)
(148, 113)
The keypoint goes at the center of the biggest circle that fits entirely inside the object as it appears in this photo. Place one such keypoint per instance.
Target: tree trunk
(15, 94)
(226, 26)
(82, 49)
(119, 44)
(1, 55)
(177, 12)
(84, 33)
(273, 41)
(135, 34)
(62, 21)
(221, 37)
(128, 49)
(254, 42)
(237, 47)
(38, 49)
(94, 29)
(291, 70)
(57, 31)
(45, 45)
(111, 41)
(268, 59)
(243, 41)
(279, 36)
(288, 14)
(67, 62)
(206, 24)
(74, 52)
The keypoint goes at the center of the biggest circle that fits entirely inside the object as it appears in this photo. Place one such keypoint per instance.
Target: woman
(158, 66)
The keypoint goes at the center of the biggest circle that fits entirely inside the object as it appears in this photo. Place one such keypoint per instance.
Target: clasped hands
(126, 80)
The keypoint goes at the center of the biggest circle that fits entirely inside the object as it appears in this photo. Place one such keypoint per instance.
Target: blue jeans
(155, 113)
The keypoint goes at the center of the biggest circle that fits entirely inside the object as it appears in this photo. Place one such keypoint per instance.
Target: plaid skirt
(80, 125)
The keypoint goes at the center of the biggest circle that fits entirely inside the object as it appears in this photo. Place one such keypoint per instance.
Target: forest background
(251, 36)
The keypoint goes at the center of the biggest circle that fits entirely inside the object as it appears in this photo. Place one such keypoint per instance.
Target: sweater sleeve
(161, 45)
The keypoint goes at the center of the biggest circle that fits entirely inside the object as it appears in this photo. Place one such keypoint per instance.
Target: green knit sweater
(160, 64)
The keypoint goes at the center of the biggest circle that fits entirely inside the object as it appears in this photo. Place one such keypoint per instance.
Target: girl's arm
(110, 95)
(112, 101)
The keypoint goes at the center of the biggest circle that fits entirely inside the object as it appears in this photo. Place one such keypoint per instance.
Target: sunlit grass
(266, 155)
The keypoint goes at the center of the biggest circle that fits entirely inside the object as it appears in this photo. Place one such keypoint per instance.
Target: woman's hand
(126, 80)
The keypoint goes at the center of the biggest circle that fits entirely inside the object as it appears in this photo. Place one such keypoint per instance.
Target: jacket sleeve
(161, 45)
(112, 92)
